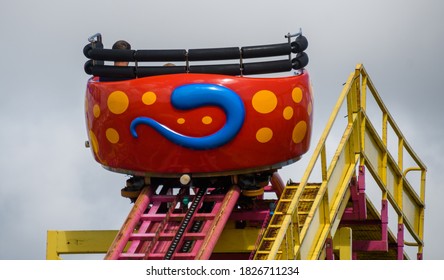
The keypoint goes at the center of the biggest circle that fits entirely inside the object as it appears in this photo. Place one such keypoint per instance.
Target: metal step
(304, 203)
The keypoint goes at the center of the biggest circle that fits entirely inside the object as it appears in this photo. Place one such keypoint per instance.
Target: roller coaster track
(328, 214)
(180, 233)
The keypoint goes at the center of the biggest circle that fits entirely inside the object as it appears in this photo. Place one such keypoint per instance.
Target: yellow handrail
(360, 145)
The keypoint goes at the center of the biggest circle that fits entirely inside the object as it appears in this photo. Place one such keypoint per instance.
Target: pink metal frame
(122, 238)
(357, 189)
(358, 214)
(155, 231)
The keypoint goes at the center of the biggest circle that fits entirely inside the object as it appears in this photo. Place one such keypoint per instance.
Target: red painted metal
(277, 184)
(276, 132)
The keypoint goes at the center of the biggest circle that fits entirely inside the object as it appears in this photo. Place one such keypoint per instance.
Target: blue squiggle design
(192, 96)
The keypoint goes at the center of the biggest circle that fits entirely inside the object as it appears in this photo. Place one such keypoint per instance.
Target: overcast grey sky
(49, 180)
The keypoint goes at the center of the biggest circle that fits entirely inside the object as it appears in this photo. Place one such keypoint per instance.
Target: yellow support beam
(78, 242)
(342, 242)
(61, 242)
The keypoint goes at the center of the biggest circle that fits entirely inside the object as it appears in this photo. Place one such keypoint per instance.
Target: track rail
(162, 227)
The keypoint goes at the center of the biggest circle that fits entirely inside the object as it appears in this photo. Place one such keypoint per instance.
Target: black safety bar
(97, 55)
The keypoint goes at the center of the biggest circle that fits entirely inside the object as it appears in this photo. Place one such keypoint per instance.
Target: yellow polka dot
(180, 120)
(264, 101)
(148, 98)
(309, 108)
(299, 132)
(112, 135)
(118, 102)
(96, 111)
(296, 94)
(264, 135)
(94, 142)
(288, 113)
(207, 120)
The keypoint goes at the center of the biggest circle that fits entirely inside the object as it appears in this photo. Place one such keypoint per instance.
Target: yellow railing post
(343, 243)
(51, 245)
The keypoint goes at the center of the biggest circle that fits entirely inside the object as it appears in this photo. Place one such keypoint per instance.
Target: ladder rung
(156, 256)
(262, 252)
(175, 217)
(166, 236)
(266, 252)
(274, 226)
(285, 200)
(184, 256)
(307, 199)
(269, 239)
(131, 255)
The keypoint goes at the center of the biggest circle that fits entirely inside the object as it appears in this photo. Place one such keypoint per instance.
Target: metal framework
(333, 218)
(295, 235)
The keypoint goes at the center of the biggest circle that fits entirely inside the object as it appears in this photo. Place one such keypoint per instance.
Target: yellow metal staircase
(308, 215)
(279, 218)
